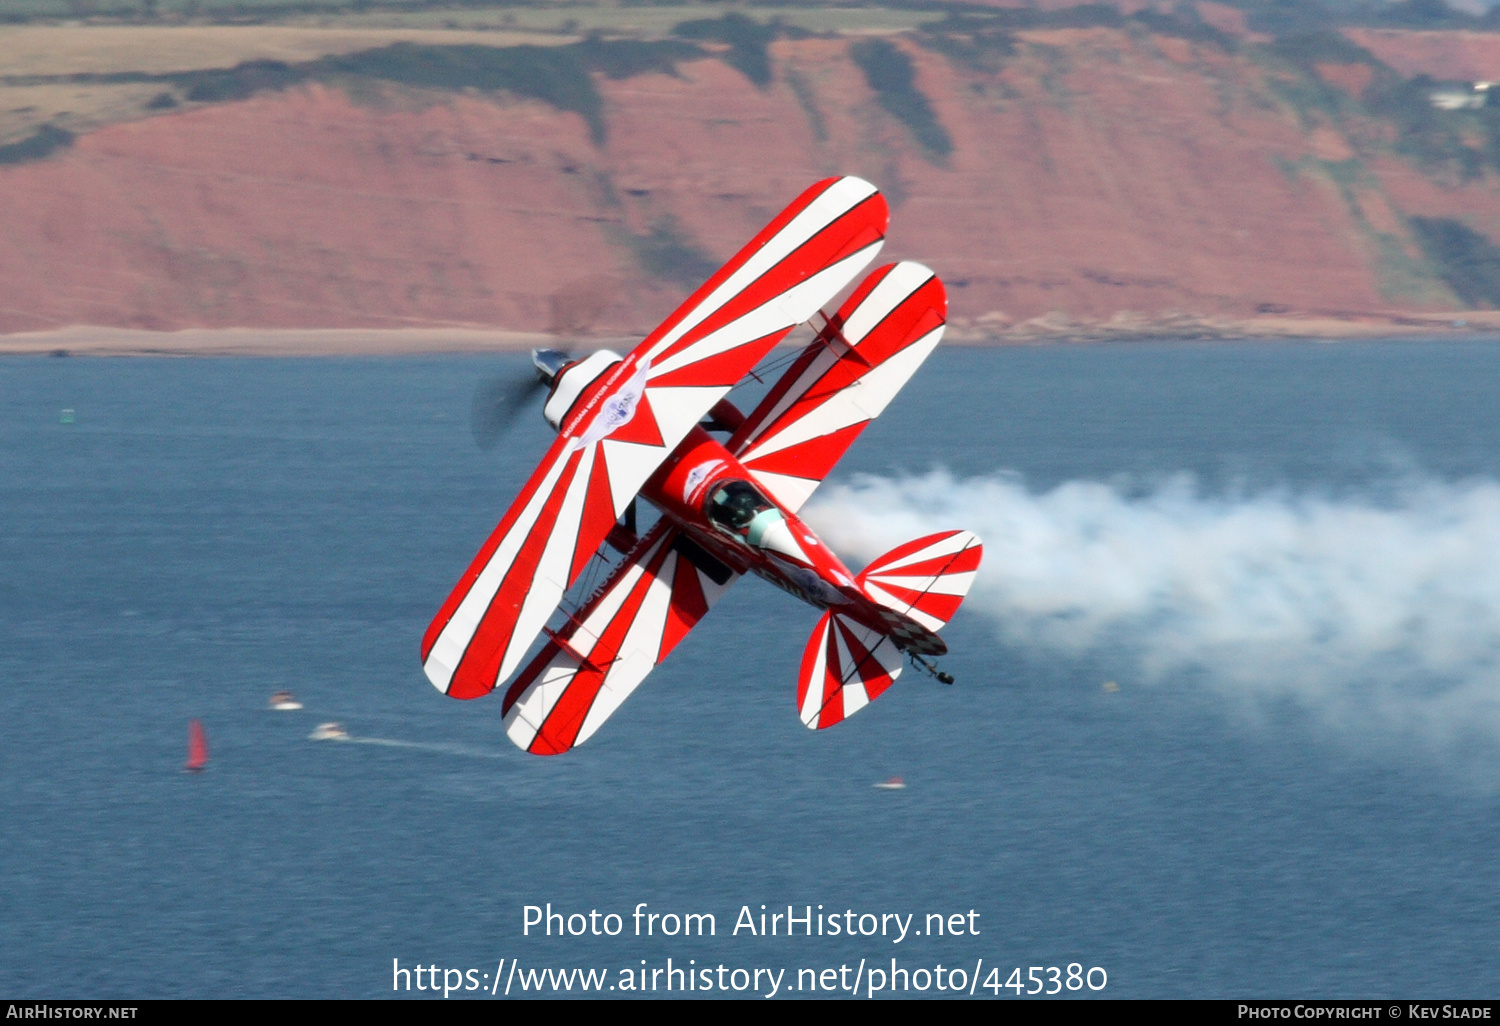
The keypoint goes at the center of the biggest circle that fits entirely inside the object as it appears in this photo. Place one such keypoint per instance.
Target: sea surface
(206, 531)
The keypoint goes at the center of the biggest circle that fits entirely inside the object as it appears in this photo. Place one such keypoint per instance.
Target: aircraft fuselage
(708, 493)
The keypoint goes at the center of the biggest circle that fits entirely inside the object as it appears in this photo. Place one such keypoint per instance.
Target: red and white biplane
(642, 426)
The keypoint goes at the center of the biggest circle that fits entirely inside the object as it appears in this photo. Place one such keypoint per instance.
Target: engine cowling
(570, 380)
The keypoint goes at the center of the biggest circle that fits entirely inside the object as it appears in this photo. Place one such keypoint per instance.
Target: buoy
(197, 748)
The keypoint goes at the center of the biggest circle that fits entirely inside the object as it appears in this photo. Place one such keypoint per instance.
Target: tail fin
(918, 586)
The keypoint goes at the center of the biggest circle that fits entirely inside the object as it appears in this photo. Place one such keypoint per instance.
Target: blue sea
(1225, 721)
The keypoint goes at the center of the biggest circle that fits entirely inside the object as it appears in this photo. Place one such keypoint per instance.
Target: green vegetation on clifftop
(557, 75)
(1467, 261)
(889, 72)
(39, 145)
(748, 40)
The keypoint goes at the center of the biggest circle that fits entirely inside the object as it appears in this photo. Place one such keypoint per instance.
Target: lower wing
(588, 668)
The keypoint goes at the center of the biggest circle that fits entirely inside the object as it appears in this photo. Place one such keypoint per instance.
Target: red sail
(197, 747)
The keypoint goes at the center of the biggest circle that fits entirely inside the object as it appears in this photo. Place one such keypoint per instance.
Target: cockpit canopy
(738, 508)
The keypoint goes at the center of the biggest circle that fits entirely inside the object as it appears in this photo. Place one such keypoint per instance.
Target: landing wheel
(930, 669)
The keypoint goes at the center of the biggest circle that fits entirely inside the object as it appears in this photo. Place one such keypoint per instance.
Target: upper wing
(633, 621)
(842, 381)
(632, 421)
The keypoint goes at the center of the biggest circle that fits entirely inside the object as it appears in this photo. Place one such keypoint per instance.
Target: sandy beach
(107, 341)
(97, 341)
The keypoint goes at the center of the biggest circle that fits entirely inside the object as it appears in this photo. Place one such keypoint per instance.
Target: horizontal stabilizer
(925, 580)
(918, 587)
(845, 667)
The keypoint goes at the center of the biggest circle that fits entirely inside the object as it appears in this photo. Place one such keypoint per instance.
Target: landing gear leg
(932, 670)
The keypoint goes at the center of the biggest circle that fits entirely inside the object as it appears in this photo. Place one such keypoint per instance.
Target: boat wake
(442, 748)
(336, 732)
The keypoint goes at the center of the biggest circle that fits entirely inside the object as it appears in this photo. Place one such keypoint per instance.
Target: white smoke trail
(1379, 616)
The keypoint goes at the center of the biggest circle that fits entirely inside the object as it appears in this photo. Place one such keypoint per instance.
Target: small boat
(284, 701)
(893, 784)
(329, 732)
(197, 748)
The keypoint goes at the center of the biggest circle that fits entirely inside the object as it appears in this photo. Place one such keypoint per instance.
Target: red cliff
(1098, 174)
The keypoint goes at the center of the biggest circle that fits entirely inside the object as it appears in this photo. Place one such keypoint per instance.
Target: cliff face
(1443, 55)
(1094, 174)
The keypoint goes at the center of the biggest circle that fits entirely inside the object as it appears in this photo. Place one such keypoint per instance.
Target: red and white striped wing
(636, 618)
(618, 434)
(845, 667)
(925, 579)
(519, 577)
(842, 381)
